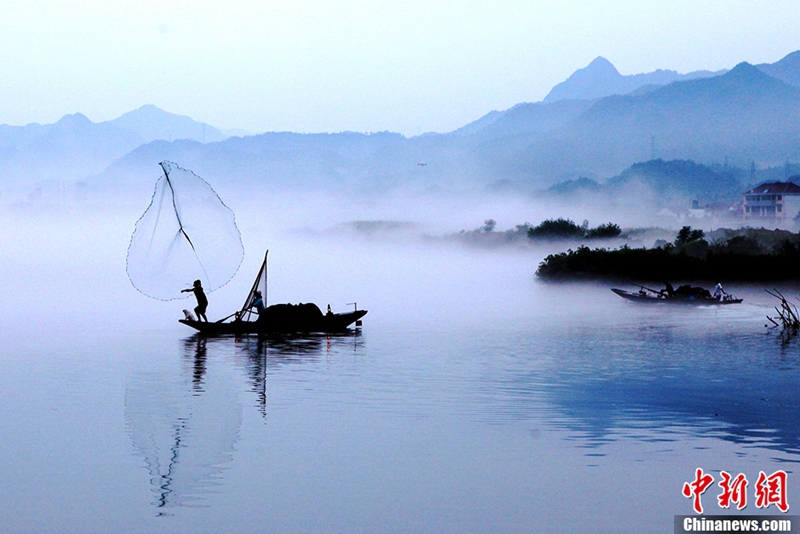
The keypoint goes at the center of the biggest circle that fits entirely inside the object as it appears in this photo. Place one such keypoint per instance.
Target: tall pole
(266, 276)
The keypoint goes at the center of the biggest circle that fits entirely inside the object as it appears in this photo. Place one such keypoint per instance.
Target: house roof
(777, 188)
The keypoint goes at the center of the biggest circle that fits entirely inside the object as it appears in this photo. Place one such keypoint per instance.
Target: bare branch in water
(788, 318)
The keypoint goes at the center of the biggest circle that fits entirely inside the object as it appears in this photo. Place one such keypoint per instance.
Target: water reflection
(660, 382)
(196, 350)
(255, 354)
(185, 421)
(185, 425)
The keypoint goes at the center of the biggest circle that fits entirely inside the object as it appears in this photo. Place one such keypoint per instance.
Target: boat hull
(329, 323)
(690, 301)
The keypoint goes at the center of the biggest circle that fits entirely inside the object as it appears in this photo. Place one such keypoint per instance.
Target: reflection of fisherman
(202, 301)
(668, 290)
(258, 303)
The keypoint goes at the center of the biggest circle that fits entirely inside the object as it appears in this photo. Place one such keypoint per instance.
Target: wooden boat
(335, 322)
(278, 318)
(652, 296)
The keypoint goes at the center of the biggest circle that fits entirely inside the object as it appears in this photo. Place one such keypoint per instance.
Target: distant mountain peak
(587, 83)
(600, 65)
(73, 119)
(600, 78)
(746, 73)
(792, 57)
(71, 123)
(152, 123)
(148, 110)
(787, 69)
(744, 67)
(599, 70)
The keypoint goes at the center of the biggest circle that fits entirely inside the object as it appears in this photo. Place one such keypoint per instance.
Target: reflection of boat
(278, 317)
(693, 298)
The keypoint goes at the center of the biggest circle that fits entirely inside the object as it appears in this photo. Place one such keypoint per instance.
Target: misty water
(475, 398)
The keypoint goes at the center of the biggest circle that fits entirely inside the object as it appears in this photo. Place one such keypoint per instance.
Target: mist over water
(475, 398)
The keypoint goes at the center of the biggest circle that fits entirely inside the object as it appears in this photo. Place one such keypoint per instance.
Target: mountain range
(600, 78)
(75, 147)
(595, 124)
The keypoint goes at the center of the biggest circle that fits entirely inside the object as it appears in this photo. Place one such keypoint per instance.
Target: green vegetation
(566, 229)
(742, 255)
(686, 235)
(604, 231)
(556, 229)
(526, 233)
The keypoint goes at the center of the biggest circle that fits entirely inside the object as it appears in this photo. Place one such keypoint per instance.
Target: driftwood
(788, 318)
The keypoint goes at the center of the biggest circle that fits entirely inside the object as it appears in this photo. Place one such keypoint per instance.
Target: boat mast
(246, 308)
(266, 276)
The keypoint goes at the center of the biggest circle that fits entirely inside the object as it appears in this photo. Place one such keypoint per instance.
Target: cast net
(186, 233)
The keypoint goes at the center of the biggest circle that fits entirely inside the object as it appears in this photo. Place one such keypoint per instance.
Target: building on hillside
(779, 201)
(716, 211)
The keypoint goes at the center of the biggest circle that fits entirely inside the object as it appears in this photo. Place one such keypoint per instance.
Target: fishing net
(187, 233)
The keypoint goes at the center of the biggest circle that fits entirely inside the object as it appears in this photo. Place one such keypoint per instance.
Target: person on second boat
(668, 290)
(719, 293)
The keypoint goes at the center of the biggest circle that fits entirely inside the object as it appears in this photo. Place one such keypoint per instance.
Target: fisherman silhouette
(719, 293)
(258, 302)
(202, 301)
(668, 290)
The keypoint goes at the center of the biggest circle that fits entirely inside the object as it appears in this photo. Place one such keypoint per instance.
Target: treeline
(567, 229)
(743, 255)
(548, 230)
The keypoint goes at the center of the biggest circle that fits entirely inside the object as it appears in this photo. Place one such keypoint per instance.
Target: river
(474, 399)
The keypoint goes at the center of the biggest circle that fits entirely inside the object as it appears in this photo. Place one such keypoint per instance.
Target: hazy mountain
(152, 123)
(13, 136)
(538, 117)
(572, 188)
(786, 70)
(75, 147)
(600, 78)
(652, 185)
(742, 116)
(343, 162)
(677, 179)
(69, 149)
(479, 124)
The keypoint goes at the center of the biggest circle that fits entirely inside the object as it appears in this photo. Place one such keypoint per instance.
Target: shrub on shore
(741, 257)
(567, 229)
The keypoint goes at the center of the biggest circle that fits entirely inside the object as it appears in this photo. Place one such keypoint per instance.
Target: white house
(778, 201)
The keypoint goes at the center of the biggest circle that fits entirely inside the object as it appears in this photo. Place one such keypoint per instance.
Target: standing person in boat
(202, 301)
(668, 290)
(258, 303)
(719, 293)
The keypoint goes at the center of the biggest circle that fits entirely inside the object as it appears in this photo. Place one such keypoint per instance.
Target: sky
(407, 66)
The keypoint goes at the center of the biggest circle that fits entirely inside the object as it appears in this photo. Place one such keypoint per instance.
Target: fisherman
(202, 301)
(258, 302)
(668, 290)
(719, 293)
